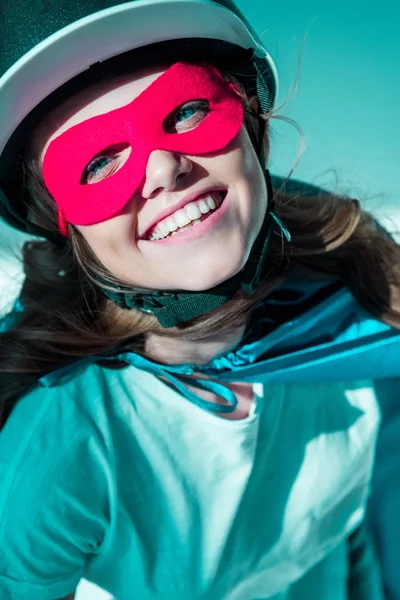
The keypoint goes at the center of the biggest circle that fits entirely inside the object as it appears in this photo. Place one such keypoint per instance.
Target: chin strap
(173, 308)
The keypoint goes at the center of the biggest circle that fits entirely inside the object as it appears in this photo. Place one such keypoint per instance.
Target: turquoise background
(348, 98)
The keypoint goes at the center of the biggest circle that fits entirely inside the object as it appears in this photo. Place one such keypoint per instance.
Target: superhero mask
(143, 125)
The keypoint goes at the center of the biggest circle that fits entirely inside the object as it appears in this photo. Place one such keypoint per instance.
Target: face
(193, 219)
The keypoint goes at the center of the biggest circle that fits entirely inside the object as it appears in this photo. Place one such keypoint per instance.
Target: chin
(208, 282)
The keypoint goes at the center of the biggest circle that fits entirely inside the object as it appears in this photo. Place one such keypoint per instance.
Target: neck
(169, 350)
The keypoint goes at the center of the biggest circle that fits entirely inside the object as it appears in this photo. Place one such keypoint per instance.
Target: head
(130, 245)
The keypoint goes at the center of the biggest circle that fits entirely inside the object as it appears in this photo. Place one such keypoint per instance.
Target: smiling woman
(144, 442)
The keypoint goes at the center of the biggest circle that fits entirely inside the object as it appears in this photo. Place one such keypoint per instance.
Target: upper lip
(169, 210)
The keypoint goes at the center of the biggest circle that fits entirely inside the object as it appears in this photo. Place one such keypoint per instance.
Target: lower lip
(196, 231)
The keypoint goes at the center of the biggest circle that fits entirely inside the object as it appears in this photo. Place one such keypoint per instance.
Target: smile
(191, 215)
(208, 223)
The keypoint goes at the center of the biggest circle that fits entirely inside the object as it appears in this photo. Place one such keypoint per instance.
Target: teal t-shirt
(114, 477)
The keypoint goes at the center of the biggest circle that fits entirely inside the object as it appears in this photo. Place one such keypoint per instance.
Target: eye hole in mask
(199, 110)
(107, 162)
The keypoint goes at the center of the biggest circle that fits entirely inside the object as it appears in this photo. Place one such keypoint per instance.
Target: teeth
(163, 228)
(197, 222)
(191, 213)
(203, 206)
(210, 202)
(180, 217)
(172, 224)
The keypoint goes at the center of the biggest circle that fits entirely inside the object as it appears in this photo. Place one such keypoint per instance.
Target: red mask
(139, 125)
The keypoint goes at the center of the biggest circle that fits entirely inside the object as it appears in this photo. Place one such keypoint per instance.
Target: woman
(140, 155)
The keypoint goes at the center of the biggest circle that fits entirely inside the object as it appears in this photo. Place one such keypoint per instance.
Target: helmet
(50, 49)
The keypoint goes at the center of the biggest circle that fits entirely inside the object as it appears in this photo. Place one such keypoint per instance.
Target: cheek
(115, 228)
(107, 239)
(242, 156)
(249, 170)
(251, 163)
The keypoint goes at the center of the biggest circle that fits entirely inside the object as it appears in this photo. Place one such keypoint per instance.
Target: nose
(163, 170)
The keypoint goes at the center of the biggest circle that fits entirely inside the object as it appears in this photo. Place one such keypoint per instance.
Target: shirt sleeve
(55, 499)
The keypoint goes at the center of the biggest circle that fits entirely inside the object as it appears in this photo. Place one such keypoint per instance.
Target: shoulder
(50, 409)
(71, 405)
(73, 418)
(52, 425)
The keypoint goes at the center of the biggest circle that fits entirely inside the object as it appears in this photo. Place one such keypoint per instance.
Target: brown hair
(66, 316)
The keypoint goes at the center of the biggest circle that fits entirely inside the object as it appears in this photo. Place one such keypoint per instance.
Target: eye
(187, 116)
(106, 163)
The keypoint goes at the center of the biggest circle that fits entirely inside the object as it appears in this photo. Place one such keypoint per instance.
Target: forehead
(95, 100)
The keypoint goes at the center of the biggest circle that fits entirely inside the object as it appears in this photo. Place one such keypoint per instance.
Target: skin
(194, 265)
